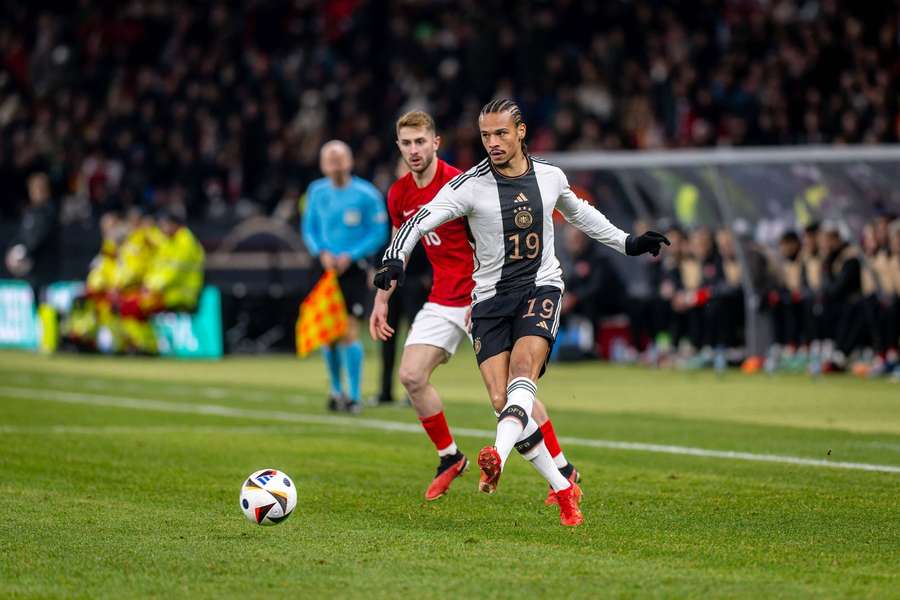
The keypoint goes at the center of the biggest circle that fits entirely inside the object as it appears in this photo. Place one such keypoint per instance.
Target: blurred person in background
(172, 283)
(893, 329)
(672, 319)
(729, 295)
(878, 300)
(701, 273)
(787, 301)
(841, 295)
(34, 254)
(594, 289)
(816, 322)
(344, 222)
(92, 312)
(143, 238)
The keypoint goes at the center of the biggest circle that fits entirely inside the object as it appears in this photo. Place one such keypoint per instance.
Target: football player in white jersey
(508, 202)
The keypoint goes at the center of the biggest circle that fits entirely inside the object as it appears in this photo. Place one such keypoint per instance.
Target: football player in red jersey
(442, 322)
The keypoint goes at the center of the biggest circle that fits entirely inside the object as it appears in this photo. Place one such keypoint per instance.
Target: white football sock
(560, 460)
(540, 457)
(449, 450)
(520, 395)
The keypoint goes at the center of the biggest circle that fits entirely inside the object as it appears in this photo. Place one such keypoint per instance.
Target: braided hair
(506, 105)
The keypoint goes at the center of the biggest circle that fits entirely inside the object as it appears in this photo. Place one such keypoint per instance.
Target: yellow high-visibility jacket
(176, 272)
(136, 255)
(102, 276)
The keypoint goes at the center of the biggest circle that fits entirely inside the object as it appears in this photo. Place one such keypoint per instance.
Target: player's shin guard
(531, 446)
(515, 416)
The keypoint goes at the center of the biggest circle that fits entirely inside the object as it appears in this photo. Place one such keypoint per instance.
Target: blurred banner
(17, 315)
(179, 335)
(192, 335)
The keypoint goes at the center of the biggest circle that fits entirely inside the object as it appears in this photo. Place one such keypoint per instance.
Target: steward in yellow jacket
(175, 277)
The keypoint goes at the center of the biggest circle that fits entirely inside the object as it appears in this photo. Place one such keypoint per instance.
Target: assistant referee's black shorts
(354, 284)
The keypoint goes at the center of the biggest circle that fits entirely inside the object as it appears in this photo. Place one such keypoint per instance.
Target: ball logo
(265, 476)
(477, 345)
(524, 219)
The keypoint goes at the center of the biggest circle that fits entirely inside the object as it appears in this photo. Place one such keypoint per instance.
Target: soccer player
(508, 201)
(344, 222)
(441, 323)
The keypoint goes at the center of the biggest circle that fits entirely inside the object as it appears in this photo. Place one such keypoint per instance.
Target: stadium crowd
(833, 304)
(217, 110)
(215, 107)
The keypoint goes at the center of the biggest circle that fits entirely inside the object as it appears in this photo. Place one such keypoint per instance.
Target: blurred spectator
(219, 107)
(34, 254)
(786, 299)
(842, 296)
(594, 287)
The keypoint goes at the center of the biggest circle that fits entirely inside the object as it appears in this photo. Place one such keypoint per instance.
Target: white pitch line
(276, 415)
(139, 429)
(210, 392)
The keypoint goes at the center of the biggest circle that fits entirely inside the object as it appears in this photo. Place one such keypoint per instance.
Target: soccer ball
(268, 497)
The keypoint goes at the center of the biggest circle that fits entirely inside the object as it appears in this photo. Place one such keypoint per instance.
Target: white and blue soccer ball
(268, 497)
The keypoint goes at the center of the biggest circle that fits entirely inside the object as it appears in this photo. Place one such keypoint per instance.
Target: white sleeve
(588, 219)
(448, 204)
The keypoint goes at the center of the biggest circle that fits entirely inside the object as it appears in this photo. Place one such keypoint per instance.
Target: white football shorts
(439, 325)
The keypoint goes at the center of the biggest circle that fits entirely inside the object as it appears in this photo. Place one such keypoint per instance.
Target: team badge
(524, 219)
(477, 345)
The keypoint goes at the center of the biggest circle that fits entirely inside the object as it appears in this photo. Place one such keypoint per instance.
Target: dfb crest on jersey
(477, 345)
(524, 219)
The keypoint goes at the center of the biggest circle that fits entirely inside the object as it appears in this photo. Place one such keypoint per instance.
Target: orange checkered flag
(323, 315)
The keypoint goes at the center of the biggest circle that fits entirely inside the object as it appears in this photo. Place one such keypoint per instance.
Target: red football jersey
(447, 247)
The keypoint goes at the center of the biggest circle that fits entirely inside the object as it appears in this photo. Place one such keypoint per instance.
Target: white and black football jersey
(510, 225)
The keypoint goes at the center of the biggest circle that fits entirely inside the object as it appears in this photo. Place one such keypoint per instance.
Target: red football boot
(451, 467)
(490, 464)
(573, 476)
(569, 513)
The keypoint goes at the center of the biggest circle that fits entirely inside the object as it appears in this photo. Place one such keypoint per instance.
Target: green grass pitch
(120, 478)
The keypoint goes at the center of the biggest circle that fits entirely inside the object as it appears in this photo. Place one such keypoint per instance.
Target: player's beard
(505, 163)
(424, 166)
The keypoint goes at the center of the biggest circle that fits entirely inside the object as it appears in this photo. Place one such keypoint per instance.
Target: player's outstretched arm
(595, 224)
(449, 204)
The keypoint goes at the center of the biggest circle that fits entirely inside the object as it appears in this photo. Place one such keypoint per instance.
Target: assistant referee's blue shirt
(347, 220)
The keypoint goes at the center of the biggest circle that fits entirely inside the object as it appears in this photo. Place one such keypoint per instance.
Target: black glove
(390, 270)
(649, 242)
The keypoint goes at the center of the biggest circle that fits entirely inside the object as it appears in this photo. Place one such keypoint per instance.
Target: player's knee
(411, 379)
(498, 400)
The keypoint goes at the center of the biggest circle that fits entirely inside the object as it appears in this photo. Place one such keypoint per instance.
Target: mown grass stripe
(363, 423)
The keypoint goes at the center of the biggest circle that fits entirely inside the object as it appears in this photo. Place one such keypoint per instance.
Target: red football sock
(437, 429)
(553, 444)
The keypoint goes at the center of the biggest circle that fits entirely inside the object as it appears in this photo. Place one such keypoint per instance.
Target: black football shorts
(497, 323)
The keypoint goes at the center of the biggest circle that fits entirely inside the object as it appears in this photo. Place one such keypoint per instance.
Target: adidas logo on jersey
(520, 197)
(543, 325)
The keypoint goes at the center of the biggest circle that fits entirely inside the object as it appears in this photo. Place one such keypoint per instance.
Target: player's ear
(437, 142)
